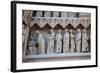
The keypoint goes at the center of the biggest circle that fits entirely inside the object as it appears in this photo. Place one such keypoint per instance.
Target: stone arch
(47, 26)
(58, 26)
(69, 26)
(35, 26)
(80, 26)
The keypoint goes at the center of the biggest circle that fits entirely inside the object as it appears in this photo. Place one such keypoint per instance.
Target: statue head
(71, 31)
(52, 30)
(59, 30)
(84, 30)
(66, 30)
(37, 32)
(78, 30)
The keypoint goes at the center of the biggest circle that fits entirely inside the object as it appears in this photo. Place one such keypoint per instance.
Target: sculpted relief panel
(50, 32)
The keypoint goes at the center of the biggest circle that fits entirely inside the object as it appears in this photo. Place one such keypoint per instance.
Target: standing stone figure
(23, 34)
(41, 43)
(66, 41)
(31, 46)
(72, 41)
(50, 48)
(84, 41)
(32, 50)
(78, 40)
(58, 42)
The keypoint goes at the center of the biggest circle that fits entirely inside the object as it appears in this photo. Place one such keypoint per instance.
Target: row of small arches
(58, 26)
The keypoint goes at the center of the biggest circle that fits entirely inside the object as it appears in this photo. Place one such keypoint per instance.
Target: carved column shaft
(38, 13)
(64, 14)
(56, 14)
(28, 15)
(47, 14)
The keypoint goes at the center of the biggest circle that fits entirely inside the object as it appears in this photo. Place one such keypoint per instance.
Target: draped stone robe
(50, 48)
(58, 43)
(84, 42)
(78, 42)
(66, 42)
(31, 46)
(41, 43)
(32, 50)
(23, 34)
(72, 43)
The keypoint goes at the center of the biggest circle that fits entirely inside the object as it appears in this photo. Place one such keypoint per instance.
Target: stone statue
(41, 43)
(66, 41)
(78, 40)
(72, 41)
(84, 41)
(32, 50)
(58, 42)
(31, 45)
(50, 48)
(23, 34)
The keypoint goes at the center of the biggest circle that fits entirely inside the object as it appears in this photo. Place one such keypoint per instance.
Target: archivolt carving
(62, 22)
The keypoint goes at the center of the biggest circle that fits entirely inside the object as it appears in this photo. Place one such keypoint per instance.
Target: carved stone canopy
(63, 22)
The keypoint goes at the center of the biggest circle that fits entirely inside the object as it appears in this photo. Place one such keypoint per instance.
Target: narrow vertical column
(71, 14)
(64, 14)
(39, 14)
(27, 15)
(55, 14)
(26, 39)
(47, 14)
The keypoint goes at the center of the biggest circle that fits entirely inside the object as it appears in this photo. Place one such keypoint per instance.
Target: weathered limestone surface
(78, 40)
(51, 37)
(58, 42)
(71, 41)
(26, 18)
(66, 41)
(84, 41)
